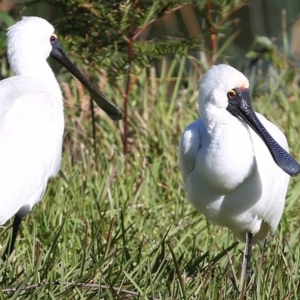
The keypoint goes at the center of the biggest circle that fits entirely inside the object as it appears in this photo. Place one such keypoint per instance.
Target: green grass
(121, 228)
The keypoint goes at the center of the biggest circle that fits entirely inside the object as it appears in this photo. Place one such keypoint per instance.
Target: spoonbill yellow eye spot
(231, 94)
(53, 38)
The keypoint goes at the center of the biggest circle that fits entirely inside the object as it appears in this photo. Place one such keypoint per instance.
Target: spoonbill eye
(53, 38)
(231, 94)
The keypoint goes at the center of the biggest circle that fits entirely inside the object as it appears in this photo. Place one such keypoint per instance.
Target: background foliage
(116, 223)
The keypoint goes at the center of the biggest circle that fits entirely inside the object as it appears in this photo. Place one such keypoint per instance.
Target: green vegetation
(117, 226)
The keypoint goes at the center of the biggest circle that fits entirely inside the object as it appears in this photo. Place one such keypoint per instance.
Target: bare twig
(212, 31)
(130, 41)
(167, 12)
(285, 29)
(232, 12)
(128, 82)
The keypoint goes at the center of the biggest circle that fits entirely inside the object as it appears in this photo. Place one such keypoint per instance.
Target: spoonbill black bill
(31, 118)
(234, 162)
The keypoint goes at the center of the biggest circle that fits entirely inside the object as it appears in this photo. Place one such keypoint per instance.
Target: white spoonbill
(234, 162)
(31, 118)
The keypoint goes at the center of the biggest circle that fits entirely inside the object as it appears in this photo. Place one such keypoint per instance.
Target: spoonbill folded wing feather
(276, 181)
(190, 144)
(29, 125)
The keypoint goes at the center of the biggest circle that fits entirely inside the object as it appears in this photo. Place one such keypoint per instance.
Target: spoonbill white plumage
(31, 118)
(234, 162)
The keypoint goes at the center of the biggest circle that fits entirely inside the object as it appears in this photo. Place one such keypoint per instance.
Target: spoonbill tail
(234, 162)
(32, 120)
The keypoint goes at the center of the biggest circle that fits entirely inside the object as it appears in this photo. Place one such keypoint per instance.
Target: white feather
(31, 119)
(229, 174)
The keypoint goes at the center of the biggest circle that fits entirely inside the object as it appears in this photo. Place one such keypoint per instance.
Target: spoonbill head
(31, 41)
(234, 162)
(31, 118)
(28, 42)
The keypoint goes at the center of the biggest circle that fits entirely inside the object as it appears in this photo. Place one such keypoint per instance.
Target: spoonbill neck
(215, 117)
(34, 66)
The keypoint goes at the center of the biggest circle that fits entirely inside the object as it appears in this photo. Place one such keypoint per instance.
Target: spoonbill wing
(190, 144)
(29, 127)
(275, 181)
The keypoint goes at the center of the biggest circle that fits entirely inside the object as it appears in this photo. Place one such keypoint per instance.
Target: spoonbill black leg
(11, 243)
(248, 256)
